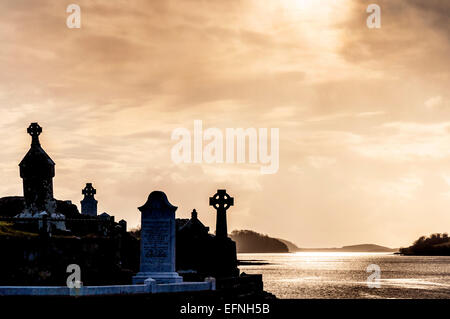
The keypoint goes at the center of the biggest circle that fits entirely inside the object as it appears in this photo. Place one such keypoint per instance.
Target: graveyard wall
(28, 260)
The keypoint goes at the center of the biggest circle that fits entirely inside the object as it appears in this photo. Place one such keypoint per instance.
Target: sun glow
(316, 10)
(303, 4)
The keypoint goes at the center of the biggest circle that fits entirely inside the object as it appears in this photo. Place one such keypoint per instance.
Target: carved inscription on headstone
(156, 239)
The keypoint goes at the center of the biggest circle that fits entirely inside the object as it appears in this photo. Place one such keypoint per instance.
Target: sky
(363, 114)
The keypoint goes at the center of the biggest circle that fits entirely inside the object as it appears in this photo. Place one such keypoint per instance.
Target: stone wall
(43, 261)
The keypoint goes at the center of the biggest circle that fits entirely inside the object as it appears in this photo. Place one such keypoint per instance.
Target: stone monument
(157, 241)
(224, 255)
(37, 170)
(89, 203)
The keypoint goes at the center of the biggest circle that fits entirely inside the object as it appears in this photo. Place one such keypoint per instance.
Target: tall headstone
(37, 170)
(89, 203)
(224, 254)
(221, 201)
(157, 240)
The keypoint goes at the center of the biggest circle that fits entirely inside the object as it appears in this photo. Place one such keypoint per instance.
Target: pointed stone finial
(194, 214)
(34, 130)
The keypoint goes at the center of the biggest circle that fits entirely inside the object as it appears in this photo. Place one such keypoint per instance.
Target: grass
(7, 229)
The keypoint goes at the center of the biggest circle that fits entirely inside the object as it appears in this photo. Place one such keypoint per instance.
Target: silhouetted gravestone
(221, 201)
(224, 254)
(157, 240)
(123, 224)
(89, 203)
(194, 248)
(37, 170)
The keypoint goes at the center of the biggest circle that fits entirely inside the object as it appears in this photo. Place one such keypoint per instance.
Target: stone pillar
(157, 241)
(224, 256)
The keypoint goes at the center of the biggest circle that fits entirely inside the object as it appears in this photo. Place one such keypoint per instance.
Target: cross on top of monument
(34, 130)
(89, 191)
(221, 200)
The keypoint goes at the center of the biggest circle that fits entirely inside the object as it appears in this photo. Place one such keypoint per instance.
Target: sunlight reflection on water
(343, 275)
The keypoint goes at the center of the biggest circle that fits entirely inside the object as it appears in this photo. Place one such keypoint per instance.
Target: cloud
(408, 142)
(414, 38)
(434, 102)
(360, 111)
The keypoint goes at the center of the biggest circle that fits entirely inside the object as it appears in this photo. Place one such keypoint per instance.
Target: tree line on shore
(434, 245)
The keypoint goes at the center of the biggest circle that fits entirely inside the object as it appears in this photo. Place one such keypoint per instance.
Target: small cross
(34, 130)
(221, 200)
(89, 190)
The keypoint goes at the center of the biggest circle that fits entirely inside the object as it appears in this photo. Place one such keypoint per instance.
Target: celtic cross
(89, 191)
(221, 201)
(34, 130)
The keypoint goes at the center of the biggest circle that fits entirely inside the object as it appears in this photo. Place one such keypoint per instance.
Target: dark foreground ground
(176, 305)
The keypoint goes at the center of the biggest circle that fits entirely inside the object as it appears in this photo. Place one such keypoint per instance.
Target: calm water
(343, 275)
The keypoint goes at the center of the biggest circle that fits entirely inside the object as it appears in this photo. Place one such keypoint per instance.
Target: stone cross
(221, 201)
(34, 130)
(89, 190)
(157, 241)
(89, 203)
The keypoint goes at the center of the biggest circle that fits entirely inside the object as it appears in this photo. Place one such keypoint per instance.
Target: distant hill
(353, 248)
(291, 246)
(371, 248)
(248, 241)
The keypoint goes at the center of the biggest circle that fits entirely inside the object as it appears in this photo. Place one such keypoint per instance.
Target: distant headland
(248, 241)
(362, 248)
(434, 245)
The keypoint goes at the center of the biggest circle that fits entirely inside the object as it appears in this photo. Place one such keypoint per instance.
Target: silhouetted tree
(434, 245)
